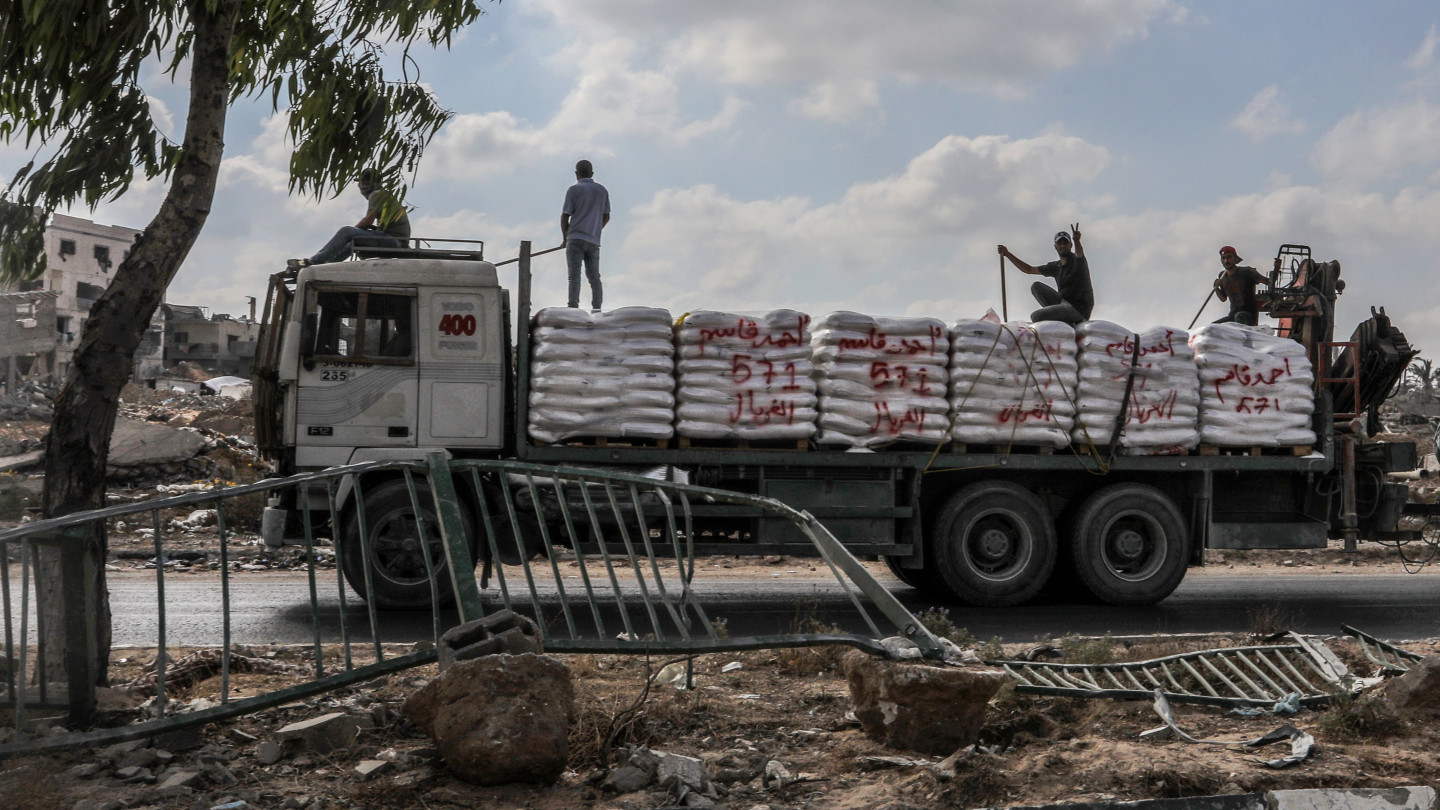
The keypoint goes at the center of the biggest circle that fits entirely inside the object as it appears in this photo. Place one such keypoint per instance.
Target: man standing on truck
(1075, 299)
(385, 224)
(586, 213)
(1237, 285)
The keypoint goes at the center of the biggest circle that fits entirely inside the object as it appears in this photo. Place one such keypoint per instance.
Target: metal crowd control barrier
(604, 562)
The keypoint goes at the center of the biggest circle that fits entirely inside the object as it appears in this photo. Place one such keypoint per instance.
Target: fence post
(77, 561)
(457, 545)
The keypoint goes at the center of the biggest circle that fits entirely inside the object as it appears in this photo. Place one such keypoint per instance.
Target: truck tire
(994, 544)
(396, 568)
(1129, 546)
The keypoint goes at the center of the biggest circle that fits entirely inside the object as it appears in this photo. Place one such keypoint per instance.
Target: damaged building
(27, 336)
(219, 342)
(81, 257)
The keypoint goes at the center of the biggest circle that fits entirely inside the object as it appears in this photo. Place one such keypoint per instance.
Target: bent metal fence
(601, 561)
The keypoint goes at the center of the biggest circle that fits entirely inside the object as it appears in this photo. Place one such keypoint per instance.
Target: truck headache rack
(639, 601)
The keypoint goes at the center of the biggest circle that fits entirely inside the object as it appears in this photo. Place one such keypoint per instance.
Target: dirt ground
(786, 706)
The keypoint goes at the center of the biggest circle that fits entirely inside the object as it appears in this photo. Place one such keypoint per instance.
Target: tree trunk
(79, 440)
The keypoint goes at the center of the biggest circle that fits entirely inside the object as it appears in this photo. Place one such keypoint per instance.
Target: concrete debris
(1417, 690)
(501, 632)
(335, 731)
(895, 702)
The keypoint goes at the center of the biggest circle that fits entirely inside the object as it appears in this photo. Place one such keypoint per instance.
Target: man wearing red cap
(1237, 285)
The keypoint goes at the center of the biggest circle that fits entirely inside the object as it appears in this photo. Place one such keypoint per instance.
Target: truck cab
(381, 359)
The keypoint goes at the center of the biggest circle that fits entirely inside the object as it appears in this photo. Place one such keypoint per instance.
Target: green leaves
(70, 75)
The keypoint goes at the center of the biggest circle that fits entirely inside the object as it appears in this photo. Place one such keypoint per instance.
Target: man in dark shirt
(385, 224)
(1237, 285)
(1075, 299)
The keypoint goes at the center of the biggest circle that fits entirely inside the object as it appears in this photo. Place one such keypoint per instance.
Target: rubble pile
(607, 374)
(1012, 383)
(745, 377)
(31, 401)
(881, 380)
(1256, 388)
(1156, 368)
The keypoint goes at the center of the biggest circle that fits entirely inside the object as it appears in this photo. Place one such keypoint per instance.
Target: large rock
(500, 718)
(1416, 690)
(919, 707)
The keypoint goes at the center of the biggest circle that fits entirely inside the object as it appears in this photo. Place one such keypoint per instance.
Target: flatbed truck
(407, 351)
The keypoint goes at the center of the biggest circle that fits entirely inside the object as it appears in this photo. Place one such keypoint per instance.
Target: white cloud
(898, 235)
(1267, 116)
(1381, 144)
(1424, 57)
(992, 47)
(839, 102)
(610, 99)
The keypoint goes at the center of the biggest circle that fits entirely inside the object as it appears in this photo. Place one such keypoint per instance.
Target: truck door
(358, 383)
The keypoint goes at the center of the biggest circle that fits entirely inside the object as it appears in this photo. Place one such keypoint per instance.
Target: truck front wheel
(994, 544)
(394, 549)
(1129, 545)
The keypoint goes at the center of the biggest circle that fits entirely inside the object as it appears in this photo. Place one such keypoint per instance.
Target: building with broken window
(219, 343)
(81, 257)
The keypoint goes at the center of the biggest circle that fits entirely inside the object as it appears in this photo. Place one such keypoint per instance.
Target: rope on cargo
(1102, 465)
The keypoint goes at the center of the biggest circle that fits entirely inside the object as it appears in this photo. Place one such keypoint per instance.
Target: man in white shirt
(586, 213)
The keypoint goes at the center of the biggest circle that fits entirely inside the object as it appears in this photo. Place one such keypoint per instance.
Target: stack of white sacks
(881, 380)
(1256, 388)
(1164, 395)
(1012, 383)
(608, 374)
(745, 377)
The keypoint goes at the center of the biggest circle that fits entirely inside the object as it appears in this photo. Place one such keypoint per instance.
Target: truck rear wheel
(397, 567)
(994, 544)
(1129, 545)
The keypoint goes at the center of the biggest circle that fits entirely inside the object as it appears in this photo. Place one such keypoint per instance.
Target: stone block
(335, 731)
(919, 707)
(688, 771)
(182, 778)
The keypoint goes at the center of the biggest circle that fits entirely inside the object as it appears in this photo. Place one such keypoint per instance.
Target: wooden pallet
(1002, 449)
(1255, 450)
(687, 443)
(612, 442)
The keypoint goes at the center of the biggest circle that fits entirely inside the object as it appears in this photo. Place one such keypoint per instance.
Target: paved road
(269, 608)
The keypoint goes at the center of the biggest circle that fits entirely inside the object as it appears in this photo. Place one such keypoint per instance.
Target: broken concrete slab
(22, 462)
(371, 768)
(135, 444)
(1402, 798)
(323, 734)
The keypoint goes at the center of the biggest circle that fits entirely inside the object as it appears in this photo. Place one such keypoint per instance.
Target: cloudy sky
(828, 154)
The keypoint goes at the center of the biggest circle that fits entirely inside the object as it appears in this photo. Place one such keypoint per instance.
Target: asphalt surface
(276, 608)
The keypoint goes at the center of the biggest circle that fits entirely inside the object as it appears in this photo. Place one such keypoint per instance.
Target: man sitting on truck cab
(1075, 299)
(1237, 285)
(385, 224)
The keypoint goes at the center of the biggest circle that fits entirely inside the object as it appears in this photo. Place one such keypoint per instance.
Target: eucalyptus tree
(71, 90)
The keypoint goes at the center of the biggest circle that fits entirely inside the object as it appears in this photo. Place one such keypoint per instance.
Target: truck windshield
(359, 325)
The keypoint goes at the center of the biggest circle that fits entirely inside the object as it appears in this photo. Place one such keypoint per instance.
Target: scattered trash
(1301, 743)
(732, 666)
